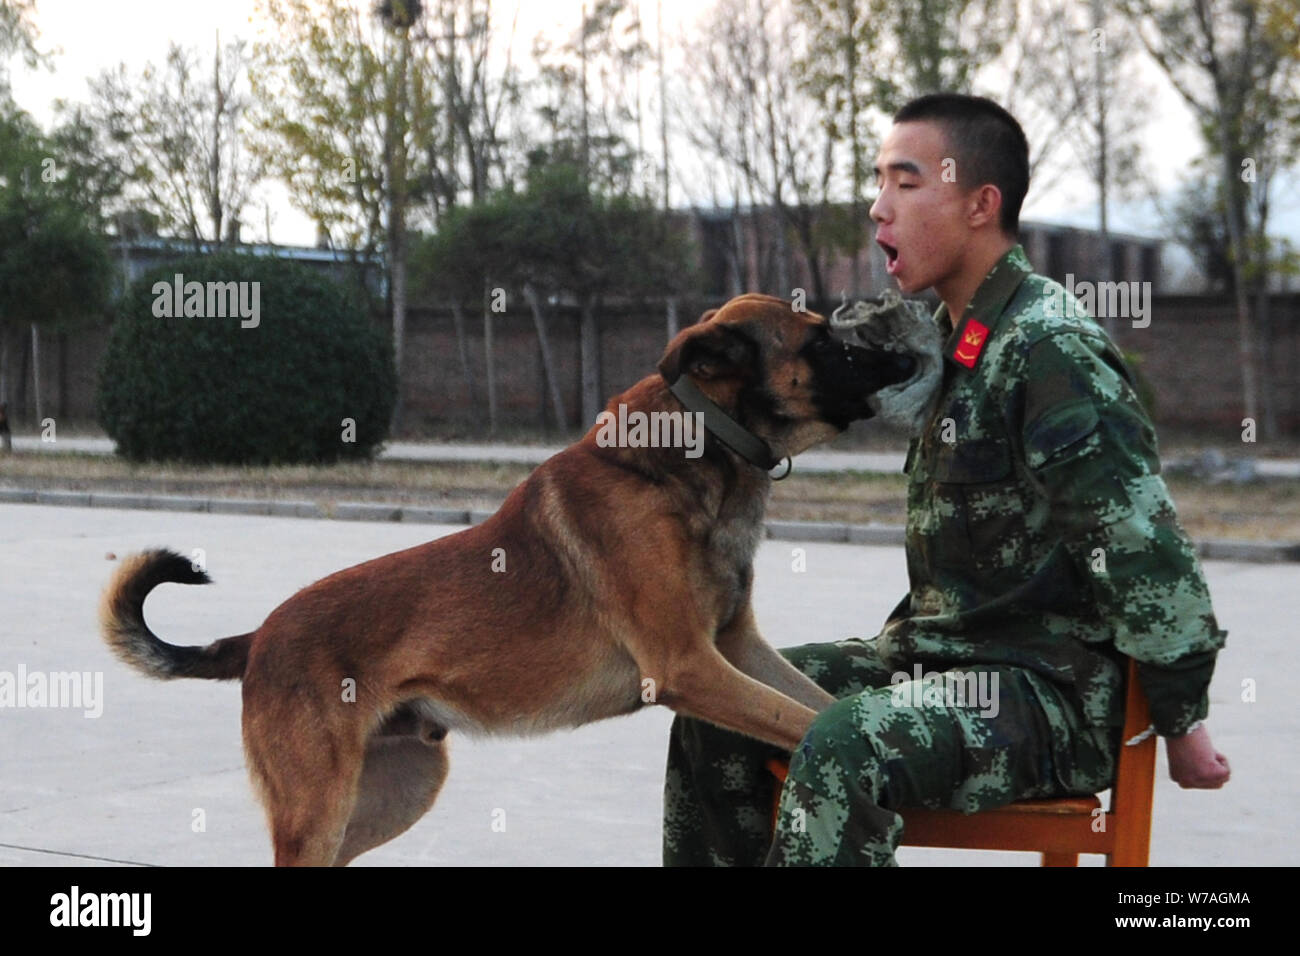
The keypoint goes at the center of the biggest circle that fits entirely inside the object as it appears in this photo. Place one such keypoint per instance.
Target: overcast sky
(93, 35)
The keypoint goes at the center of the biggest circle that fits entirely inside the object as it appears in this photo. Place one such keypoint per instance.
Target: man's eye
(907, 185)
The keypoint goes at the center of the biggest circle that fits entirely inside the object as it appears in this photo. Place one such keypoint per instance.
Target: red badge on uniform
(972, 340)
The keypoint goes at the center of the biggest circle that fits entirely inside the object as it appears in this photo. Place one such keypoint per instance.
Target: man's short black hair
(988, 143)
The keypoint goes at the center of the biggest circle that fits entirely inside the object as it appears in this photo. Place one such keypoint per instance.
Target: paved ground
(815, 461)
(818, 461)
(127, 786)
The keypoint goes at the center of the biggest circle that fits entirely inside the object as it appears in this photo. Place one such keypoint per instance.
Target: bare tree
(347, 100)
(588, 113)
(180, 134)
(586, 102)
(1073, 80)
(1236, 63)
(468, 153)
(765, 129)
(844, 39)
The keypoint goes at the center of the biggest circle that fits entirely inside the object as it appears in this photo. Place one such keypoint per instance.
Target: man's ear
(709, 350)
(985, 206)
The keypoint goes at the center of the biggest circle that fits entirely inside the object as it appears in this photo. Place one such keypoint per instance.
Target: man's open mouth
(891, 257)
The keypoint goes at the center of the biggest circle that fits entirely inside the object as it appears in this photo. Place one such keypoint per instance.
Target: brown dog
(612, 577)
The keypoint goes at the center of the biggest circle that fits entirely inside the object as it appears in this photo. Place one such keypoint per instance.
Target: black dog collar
(726, 429)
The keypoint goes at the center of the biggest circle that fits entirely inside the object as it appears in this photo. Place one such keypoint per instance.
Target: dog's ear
(709, 350)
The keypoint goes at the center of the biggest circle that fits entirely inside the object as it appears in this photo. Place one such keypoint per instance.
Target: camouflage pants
(881, 746)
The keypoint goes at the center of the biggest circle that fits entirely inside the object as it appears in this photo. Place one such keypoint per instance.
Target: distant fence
(1189, 357)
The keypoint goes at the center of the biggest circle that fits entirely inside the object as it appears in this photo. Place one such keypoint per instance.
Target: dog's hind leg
(305, 760)
(399, 783)
(308, 801)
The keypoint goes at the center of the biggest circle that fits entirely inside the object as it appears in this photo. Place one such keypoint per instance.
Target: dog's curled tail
(121, 617)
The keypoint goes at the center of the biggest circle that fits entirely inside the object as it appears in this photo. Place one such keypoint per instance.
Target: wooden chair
(1059, 829)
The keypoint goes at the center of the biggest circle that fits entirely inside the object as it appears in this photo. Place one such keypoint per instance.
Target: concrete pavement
(158, 777)
(817, 461)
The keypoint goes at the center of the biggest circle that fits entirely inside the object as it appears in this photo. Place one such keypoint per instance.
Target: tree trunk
(548, 366)
(783, 281)
(36, 374)
(1262, 316)
(804, 227)
(20, 380)
(663, 101)
(462, 347)
(491, 364)
(671, 317)
(1267, 397)
(398, 252)
(399, 303)
(397, 224)
(589, 347)
(62, 410)
(851, 16)
(1237, 255)
(737, 279)
(6, 437)
(586, 134)
(5, 397)
(1109, 322)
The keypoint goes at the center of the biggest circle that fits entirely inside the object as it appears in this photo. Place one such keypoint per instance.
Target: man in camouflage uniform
(1042, 546)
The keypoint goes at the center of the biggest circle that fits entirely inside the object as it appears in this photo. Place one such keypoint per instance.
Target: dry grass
(396, 481)
(1263, 511)
(853, 497)
(1260, 511)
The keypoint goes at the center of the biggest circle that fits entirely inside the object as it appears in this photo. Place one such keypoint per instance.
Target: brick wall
(1189, 357)
(438, 390)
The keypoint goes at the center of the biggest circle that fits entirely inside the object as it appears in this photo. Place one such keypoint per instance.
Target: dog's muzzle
(849, 375)
(905, 329)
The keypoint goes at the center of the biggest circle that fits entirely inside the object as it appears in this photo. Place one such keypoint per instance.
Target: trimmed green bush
(268, 385)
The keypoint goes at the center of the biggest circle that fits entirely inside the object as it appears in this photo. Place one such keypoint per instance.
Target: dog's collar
(726, 429)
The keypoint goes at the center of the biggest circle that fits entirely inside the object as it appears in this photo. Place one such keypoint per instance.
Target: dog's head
(779, 372)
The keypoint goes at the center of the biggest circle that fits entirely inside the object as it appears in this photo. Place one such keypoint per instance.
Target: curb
(831, 532)
(1261, 552)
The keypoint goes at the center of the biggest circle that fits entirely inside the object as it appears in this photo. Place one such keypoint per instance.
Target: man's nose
(878, 211)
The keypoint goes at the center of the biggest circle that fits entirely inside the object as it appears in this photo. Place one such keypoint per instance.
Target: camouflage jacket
(1039, 530)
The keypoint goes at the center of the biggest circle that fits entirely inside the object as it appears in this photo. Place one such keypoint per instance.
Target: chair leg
(1060, 859)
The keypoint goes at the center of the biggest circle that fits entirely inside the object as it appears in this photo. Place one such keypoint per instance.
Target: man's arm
(1092, 447)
